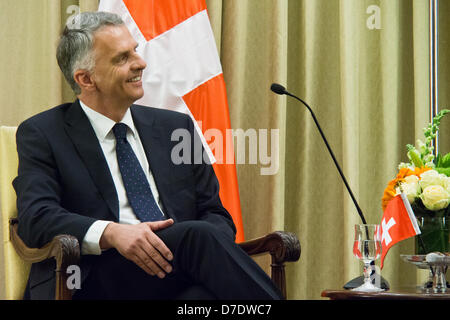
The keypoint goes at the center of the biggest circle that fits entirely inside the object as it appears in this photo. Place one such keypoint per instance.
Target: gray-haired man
(78, 175)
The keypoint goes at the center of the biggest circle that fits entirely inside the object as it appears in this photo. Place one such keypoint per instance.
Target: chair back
(15, 270)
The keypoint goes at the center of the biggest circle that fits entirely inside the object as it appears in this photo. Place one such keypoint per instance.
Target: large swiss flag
(184, 74)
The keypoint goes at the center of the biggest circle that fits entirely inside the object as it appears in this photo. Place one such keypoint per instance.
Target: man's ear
(84, 80)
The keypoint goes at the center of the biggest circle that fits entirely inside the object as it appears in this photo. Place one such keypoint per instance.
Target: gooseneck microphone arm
(279, 89)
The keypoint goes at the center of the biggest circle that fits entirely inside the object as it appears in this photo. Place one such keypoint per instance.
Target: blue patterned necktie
(136, 184)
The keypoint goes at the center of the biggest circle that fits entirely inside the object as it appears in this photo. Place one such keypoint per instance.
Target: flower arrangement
(425, 179)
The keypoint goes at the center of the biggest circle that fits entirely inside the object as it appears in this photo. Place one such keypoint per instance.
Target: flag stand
(424, 248)
(356, 282)
(421, 243)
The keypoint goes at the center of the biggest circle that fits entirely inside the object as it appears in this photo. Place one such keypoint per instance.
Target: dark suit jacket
(64, 183)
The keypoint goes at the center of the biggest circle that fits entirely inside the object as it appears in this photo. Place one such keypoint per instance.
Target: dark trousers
(207, 264)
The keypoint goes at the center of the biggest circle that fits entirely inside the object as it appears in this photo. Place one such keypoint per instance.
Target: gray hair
(74, 50)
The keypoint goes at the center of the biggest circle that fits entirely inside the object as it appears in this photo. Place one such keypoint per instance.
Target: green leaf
(445, 171)
(414, 156)
(439, 116)
(433, 127)
(438, 160)
(445, 161)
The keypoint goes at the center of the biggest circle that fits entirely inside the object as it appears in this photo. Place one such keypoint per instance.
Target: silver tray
(437, 264)
(419, 260)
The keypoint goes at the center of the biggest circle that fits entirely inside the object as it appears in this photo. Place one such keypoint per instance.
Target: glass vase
(434, 235)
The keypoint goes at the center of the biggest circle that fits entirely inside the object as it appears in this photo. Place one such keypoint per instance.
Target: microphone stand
(332, 156)
(280, 90)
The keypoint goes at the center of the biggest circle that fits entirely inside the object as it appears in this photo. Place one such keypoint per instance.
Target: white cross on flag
(184, 74)
(398, 223)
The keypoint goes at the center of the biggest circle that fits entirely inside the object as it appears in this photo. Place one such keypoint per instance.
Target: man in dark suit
(84, 168)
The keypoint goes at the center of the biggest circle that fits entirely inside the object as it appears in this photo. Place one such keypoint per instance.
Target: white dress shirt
(103, 129)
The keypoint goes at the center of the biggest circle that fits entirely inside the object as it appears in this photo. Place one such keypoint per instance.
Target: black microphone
(279, 89)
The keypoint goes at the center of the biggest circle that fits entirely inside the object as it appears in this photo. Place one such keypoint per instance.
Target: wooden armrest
(63, 248)
(282, 246)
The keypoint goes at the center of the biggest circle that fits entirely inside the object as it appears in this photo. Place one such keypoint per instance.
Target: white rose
(411, 187)
(447, 184)
(435, 198)
(432, 178)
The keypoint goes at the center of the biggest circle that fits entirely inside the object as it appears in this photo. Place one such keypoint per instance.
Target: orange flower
(390, 192)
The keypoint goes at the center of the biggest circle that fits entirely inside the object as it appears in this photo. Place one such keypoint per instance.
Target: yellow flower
(390, 191)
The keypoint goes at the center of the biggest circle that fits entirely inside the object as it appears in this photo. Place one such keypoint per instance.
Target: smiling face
(117, 76)
(118, 67)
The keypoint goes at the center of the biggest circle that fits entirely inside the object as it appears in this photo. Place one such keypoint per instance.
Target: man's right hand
(140, 244)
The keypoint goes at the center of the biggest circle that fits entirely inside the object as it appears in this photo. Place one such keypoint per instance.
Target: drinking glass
(367, 248)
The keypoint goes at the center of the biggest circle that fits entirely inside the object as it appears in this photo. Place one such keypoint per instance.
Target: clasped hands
(140, 244)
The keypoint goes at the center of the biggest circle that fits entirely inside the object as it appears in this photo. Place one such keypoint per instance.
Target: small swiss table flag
(398, 223)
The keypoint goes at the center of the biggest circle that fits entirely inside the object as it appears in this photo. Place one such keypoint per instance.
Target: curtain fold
(361, 65)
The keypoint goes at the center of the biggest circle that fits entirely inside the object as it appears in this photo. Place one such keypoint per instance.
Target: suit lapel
(85, 141)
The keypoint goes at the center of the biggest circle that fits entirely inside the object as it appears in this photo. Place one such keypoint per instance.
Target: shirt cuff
(91, 241)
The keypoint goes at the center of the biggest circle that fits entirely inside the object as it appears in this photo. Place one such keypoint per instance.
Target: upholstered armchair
(282, 246)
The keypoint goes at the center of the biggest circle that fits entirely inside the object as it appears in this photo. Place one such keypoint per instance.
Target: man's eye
(123, 58)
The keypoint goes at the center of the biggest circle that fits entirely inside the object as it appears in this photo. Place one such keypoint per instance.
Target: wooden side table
(406, 293)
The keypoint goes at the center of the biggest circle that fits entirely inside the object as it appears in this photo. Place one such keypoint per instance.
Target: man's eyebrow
(123, 53)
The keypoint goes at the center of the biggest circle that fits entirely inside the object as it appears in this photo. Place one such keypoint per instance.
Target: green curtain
(31, 80)
(366, 78)
(361, 65)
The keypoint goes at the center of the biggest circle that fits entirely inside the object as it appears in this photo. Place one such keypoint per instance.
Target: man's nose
(139, 63)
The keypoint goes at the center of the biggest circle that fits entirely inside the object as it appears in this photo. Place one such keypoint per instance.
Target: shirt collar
(103, 125)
